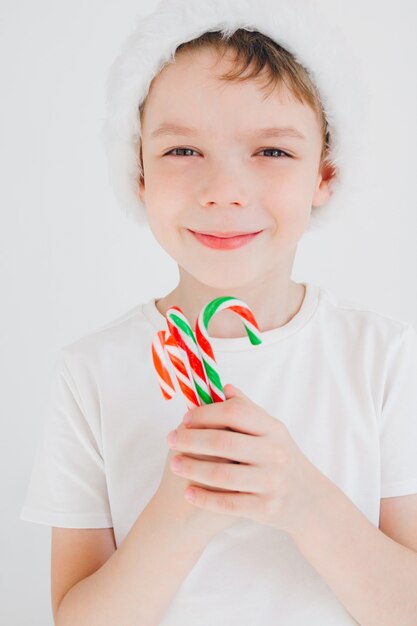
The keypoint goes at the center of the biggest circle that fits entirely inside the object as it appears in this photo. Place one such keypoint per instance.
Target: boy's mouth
(222, 235)
(224, 241)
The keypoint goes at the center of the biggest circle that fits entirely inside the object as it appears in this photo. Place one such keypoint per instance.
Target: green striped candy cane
(203, 338)
(180, 329)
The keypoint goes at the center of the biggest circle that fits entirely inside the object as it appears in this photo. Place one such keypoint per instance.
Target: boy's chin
(224, 282)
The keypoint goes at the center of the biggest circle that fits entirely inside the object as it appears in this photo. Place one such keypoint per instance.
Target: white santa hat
(299, 26)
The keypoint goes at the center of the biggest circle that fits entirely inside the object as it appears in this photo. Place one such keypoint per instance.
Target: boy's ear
(141, 189)
(141, 182)
(323, 189)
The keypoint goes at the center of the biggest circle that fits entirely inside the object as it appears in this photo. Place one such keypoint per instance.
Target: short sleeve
(67, 486)
(398, 427)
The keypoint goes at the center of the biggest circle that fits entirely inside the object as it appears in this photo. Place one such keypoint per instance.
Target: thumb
(231, 391)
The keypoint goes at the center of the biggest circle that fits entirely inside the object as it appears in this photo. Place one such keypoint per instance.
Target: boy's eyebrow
(170, 128)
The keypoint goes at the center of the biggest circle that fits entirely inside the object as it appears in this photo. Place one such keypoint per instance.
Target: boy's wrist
(323, 495)
(188, 530)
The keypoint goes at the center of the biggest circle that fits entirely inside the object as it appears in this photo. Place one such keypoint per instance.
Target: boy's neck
(271, 310)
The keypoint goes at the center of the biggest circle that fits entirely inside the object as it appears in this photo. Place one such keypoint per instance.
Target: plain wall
(71, 262)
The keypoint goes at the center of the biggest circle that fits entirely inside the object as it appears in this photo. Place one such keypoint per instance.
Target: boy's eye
(275, 150)
(184, 149)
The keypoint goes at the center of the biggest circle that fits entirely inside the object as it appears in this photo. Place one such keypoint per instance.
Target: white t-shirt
(341, 377)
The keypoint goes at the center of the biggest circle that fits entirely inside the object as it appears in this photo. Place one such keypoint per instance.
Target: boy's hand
(271, 481)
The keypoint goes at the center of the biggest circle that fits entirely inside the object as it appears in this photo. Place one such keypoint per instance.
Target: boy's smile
(214, 162)
(224, 241)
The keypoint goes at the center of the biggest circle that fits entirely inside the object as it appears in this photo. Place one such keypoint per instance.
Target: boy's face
(224, 181)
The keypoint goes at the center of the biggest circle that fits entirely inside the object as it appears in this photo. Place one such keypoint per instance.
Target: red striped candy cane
(183, 334)
(165, 343)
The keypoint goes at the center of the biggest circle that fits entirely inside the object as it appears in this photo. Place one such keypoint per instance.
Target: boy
(321, 427)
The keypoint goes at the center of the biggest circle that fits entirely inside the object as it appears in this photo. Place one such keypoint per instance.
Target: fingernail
(187, 418)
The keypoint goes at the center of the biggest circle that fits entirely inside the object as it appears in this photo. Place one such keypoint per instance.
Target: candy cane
(183, 334)
(182, 369)
(165, 343)
(192, 356)
(203, 338)
(160, 365)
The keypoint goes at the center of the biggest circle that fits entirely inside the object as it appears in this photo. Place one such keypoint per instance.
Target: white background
(71, 261)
